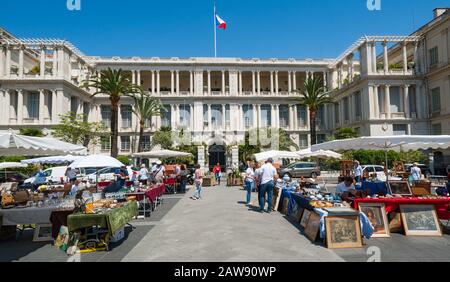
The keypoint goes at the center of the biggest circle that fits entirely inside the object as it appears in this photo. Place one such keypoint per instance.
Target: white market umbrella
(96, 161)
(320, 154)
(12, 165)
(156, 154)
(52, 160)
(12, 144)
(274, 154)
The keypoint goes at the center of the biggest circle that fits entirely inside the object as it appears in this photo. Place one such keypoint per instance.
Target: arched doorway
(217, 154)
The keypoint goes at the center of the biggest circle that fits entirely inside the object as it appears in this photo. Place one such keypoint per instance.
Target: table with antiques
(107, 218)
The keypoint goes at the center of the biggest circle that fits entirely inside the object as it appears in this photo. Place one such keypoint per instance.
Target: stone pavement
(220, 228)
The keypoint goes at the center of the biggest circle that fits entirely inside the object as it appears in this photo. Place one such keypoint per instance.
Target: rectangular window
(434, 56)
(400, 129)
(106, 115)
(105, 142)
(248, 115)
(301, 115)
(436, 129)
(346, 109)
(33, 105)
(125, 143)
(146, 143)
(266, 116)
(321, 116)
(303, 142)
(284, 116)
(436, 100)
(336, 113)
(396, 104)
(126, 114)
(166, 116)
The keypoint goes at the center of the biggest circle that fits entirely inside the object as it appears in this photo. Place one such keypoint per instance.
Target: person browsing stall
(250, 181)
(345, 186)
(357, 171)
(71, 175)
(268, 174)
(416, 173)
(143, 174)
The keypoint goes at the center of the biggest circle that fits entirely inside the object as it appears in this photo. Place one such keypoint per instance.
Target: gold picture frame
(399, 188)
(343, 232)
(420, 220)
(376, 213)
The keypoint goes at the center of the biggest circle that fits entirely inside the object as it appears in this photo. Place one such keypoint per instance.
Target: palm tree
(114, 84)
(313, 96)
(145, 108)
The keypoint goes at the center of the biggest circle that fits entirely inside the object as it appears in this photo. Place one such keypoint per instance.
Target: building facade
(381, 85)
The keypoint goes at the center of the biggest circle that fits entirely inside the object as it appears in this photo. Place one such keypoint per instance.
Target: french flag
(220, 22)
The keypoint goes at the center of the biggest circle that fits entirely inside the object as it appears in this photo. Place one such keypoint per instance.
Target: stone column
(224, 117)
(295, 117)
(271, 83)
(21, 62)
(172, 82)
(291, 117)
(294, 76)
(41, 106)
(375, 102)
(325, 82)
(42, 62)
(19, 106)
(133, 76)
(191, 84)
(158, 83)
(388, 102)
(177, 84)
(406, 107)
(241, 83)
(2, 60)
(54, 116)
(61, 62)
(259, 116)
(259, 83)
(416, 57)
(223, 84)
(253, 83)
(55, 61)
(276, 83)
(277, 116)
(138, 82)
(405, 57)
(289, 83)
(153, 83)
(209, 84)
(8, 61)
(385, 57)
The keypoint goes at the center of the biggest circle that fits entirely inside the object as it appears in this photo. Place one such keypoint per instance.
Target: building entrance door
(217, 154)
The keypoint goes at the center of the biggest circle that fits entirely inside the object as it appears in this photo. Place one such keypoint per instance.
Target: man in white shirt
(345, 186)
(416, 173)
(268, 175)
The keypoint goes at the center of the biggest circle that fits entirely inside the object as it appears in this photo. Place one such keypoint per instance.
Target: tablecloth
(376, 188)
(392, 205)
(152, 193)
(295, 198)
(23, 216)
(112, 220)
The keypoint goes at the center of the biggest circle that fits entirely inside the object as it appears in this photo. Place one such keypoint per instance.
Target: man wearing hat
(143, 174)
(159, 172)
(268, 175)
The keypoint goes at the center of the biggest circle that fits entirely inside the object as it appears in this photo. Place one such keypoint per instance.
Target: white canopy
(96, 161)
(397, 143)
(320, 154)
(12, 165)
(156, 154)
(52, 160)
(276, 155)
(15, 145)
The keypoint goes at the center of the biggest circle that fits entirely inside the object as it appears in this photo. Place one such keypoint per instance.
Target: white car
(52, 175)
(105, 174)
(379, 170)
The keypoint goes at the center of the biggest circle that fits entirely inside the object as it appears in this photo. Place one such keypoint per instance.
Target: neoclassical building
(380, 85)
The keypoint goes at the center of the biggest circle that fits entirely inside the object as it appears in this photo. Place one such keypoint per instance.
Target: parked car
(379, 170)
(300, 169)
(52, 175)
(423, 168)
(107, 174)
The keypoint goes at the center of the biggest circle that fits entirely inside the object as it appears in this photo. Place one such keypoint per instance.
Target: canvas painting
(399, 188)
(312, 227)
(305, 218)
(378, 217)
(420, 220)
(343, 232)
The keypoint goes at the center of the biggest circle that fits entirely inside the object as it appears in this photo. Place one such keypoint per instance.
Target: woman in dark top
(183, 178)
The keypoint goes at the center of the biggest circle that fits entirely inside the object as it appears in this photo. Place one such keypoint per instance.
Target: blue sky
(184, 28)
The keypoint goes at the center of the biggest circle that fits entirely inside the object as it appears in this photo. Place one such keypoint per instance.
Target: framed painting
(395, 222)
(399, 167)
(376, 213)
(43, 233)
(399, 188)
(343, 232)
(313, 226)
(305, 217)
(420, 220)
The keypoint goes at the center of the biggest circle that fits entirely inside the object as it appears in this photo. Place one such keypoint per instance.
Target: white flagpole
(215, 32)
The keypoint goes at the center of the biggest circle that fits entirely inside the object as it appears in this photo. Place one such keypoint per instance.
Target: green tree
(33, 132)
(313, 96)
(163, 138)
(145, 108)
(76, 129)
(345, 133)
(124, 159)
(115, 85)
